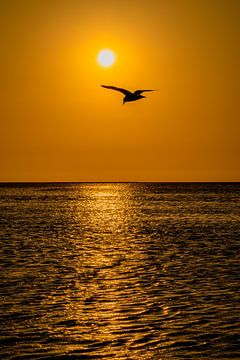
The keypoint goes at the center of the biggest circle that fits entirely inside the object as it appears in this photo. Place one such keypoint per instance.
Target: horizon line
(118, 182)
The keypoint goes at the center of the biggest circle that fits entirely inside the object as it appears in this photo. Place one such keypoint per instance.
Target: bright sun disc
(106, 58)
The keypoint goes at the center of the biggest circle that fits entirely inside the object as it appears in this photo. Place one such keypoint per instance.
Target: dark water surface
(120, 271)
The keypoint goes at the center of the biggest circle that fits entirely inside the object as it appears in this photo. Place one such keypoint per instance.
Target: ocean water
(120, 271)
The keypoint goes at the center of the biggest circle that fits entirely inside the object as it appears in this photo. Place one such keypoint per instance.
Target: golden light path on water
(116, 301)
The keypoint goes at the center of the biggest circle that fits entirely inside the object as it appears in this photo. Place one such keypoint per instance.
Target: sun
(106, 57)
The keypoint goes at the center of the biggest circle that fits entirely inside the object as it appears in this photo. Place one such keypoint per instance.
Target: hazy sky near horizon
(58, 124)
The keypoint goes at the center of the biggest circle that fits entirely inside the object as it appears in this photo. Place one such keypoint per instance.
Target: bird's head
(141, 96)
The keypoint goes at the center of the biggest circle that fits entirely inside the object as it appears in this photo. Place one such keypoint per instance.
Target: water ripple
(123, 271)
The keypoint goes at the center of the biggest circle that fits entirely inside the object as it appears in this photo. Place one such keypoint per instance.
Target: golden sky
(58, 124)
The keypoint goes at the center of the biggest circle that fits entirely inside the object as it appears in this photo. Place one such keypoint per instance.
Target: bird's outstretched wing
(138, 92)
(124, 91)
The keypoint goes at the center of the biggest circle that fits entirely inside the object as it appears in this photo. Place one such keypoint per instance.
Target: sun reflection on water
(111, 303)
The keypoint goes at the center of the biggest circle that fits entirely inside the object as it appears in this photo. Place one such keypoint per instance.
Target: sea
(119, 271)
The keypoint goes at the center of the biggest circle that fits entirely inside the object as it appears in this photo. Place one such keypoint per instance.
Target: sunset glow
(59, 124)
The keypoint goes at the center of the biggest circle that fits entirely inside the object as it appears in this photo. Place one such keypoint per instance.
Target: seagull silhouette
(129, 96)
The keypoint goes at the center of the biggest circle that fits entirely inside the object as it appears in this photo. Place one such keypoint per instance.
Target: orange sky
(58, 124)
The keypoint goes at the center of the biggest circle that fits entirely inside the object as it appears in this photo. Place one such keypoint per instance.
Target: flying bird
(129, 96)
